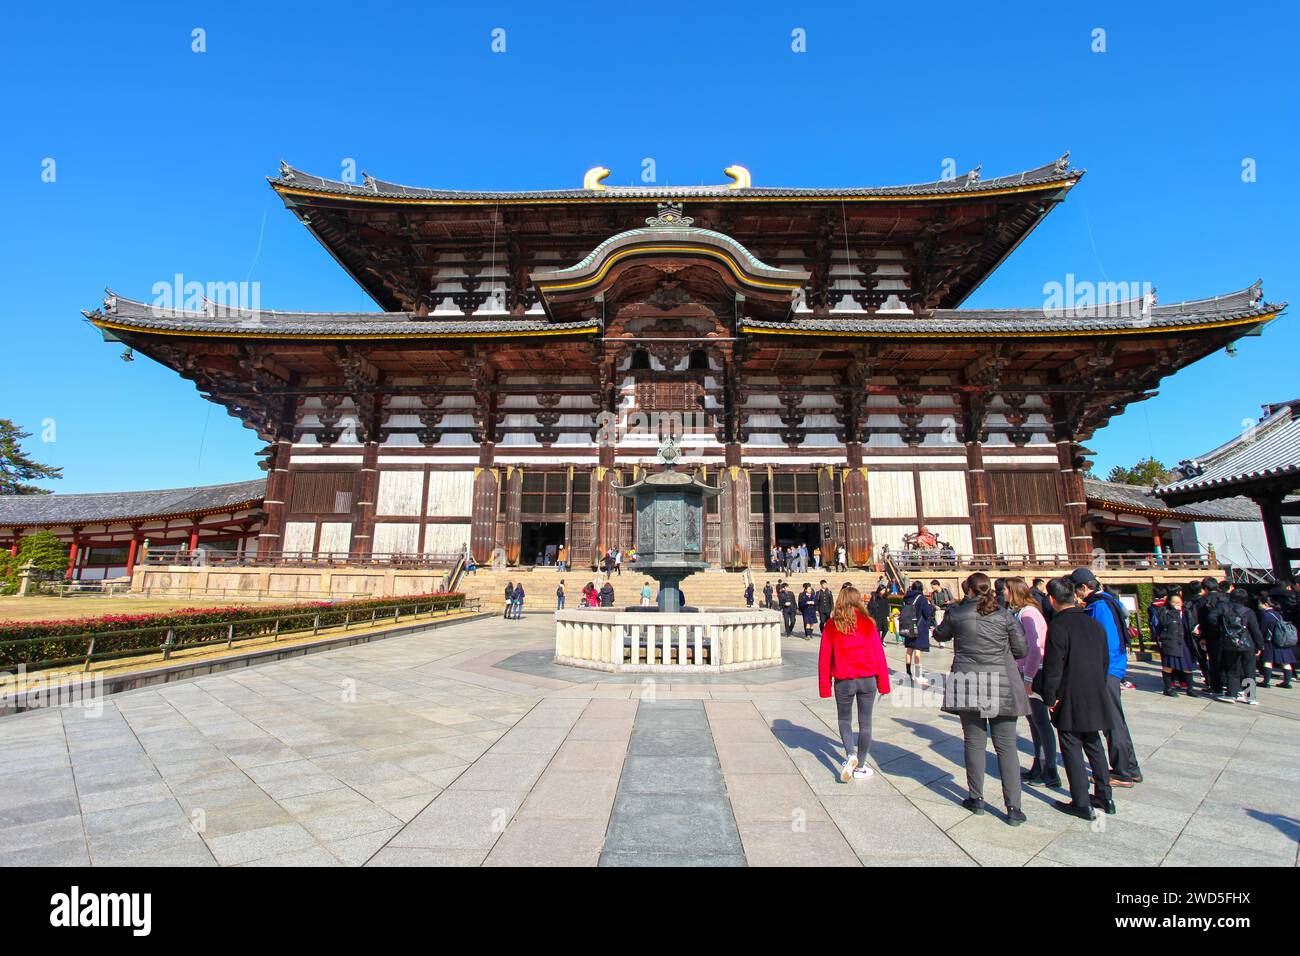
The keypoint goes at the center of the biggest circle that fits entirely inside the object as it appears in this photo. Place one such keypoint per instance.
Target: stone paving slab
(467, 746)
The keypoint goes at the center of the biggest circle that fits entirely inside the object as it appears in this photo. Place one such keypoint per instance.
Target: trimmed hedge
(61, 642)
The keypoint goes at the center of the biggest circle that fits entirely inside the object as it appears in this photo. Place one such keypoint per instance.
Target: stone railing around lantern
(707, 641)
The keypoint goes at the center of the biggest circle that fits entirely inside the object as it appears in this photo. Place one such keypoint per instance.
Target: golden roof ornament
(740, 178)
(591, 179)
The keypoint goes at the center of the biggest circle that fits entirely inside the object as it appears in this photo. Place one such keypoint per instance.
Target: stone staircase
(712, 588)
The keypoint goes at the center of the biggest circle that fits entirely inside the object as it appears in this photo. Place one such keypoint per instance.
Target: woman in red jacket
(853, 655)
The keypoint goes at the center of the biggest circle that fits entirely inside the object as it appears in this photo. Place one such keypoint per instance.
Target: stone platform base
(711, 641)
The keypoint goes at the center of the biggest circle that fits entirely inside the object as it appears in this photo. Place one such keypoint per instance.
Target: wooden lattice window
(1017, 494)
(322, 492)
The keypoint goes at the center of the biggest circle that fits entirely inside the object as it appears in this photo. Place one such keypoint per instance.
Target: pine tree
(17, 467)
(1147, 472)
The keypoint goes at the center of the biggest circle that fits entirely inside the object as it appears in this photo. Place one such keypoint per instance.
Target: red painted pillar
(13, 548)
(131, 554)
(194, 539)
(72, 559)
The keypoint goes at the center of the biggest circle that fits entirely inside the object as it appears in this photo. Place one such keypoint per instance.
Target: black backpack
(1282, 632)
(907, 619)
(1235, 633)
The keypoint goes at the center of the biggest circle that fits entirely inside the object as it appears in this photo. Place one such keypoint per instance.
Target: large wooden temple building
(806, 346)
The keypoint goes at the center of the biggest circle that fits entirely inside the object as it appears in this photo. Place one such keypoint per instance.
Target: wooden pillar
(132, 552)
(194, 538)
(274, 505)
(609, 506)
(733, 510)
(73, 553)
(514, 519)
(857, 510)
(18, 540)
(1078, 540)
(1274, 532)
(980, 512)
(364, 495)
(483, 510)
(1157, 542)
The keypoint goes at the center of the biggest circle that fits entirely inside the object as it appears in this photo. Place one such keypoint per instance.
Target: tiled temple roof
(1131, 315)
(1242, 307)
(1057, 172)
(115, 506)
(1139, 499)
(133, 314)
(1271, 450)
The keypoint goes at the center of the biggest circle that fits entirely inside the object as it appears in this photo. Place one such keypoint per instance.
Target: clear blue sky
(161, 155)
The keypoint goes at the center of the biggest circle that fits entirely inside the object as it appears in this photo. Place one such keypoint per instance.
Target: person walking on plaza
(1240, 644)
(817, 559)
(519, 601)
(1209, 612)
(1106, 610)
(1073, 684)
(852, 658)
(1279, 642)
(808, 610)
(1171, 626)
(606, 595)
(559, 596)
(841, 557)
(825, 605)
(562, 558)
(510, 600)
(767, 594)
(749, 594)
(647, 595)
(915, 623)
(1022, 603)
(879, 610)
(618, 561)
(985, 689)
(787, 600)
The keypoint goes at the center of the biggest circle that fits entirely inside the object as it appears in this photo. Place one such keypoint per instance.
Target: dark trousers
(1044, 734)
(788, 613)
(1073, 747)
(1231, 669)
(1123, 756)
(975, 732)
(823, 617)
(862, 690)
(1213, 671)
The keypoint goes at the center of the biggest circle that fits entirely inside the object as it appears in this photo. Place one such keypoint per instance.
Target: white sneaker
(863, 772)
(846, 771)
(1243, 699)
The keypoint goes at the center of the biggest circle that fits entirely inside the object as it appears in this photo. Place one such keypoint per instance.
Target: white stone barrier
(709, 641)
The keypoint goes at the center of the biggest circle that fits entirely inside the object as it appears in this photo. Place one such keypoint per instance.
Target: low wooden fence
(65, 650)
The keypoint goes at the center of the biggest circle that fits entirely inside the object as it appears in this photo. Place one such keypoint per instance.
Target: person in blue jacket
(1107, 611)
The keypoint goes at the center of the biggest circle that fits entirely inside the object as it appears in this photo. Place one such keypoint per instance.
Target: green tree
(1146, 472)
(48, 555)
(17, 467)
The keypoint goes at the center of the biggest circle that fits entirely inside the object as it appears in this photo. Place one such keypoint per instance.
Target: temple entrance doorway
(798, 532)
(539, 541)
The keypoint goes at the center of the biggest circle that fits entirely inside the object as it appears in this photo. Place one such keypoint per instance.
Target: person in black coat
(767, 594)
(1172, 624)
(786, 598)
(825, 605)
(1072, 682)
(1209, 622)
(749, 594)
(878, 609)
(607, 595)
(1236, 664)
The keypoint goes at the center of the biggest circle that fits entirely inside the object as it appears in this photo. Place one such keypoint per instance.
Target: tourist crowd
(1054, 653)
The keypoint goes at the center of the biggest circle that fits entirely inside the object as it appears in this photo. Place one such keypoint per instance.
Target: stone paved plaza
(466, 746)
